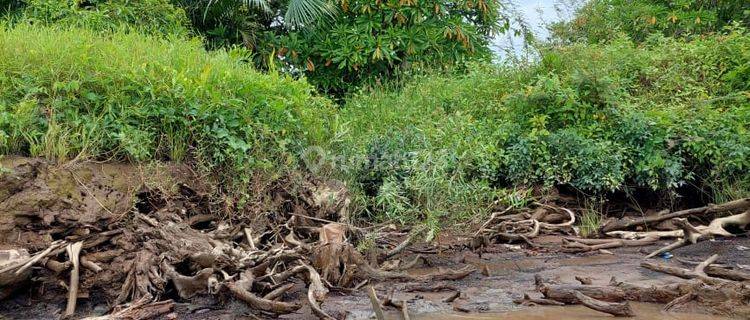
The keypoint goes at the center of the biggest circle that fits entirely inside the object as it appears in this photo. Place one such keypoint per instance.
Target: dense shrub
(372, 41)
(603, 20)
(598, 118)
(149, 16)
(71, 93)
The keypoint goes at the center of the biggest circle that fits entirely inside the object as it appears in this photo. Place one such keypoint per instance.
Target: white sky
(535, 12)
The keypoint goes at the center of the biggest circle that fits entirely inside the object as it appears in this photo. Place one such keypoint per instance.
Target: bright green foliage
(602, 20)
(373, 40)
(71, 93)
(599, 118)
(150, 16)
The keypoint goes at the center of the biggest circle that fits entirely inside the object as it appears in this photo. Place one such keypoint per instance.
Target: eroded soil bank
(154, 233)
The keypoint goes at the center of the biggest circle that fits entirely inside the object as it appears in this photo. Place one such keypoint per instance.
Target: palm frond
(227, 5)
(305, 12)
(261, 4)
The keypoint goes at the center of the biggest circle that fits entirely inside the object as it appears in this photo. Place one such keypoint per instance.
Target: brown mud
(141, 224)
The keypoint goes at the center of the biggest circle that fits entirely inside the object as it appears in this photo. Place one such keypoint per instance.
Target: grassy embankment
(615, 117)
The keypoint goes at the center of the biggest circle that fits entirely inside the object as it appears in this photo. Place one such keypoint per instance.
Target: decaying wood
(376, 305)
(187, 287)
(691, 234)
(240, 290)
(616, 309)
(522, 226)
(316, 292)
(20, 267)
(139, 310)
(697, 273)
(430, 287)
(626, 223)
(585, 245)
(711, 295)
(74, 252)
(527, 300)
(278, 292)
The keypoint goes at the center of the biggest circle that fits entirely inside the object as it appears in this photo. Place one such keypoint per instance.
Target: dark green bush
(71, 93)
(599, 118)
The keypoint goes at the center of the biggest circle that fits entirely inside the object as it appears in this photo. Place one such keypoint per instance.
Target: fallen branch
(527, 300)
(574, 245)
(376, 306)
(74, 252)
(238, 289)
(139, 310)
(697, 273)
(616, 309)
(316, 292)
(278, 292)
(626, 223)
(692, 235)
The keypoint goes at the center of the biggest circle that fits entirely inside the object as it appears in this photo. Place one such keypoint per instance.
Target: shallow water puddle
(643, 311)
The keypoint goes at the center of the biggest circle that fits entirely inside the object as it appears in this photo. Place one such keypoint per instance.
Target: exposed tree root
(692, 235)
(625, 223)
(585, 245)
(139, 310)
(132, 255)
(712, 295)
(514, 227)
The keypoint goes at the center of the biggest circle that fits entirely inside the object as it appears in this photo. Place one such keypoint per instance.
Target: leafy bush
(598, 118)
(70, 93)
(373, 41)
(602, 20)
(149, 16)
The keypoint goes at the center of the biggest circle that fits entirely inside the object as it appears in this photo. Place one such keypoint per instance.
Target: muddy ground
(39, 203)
(503, 275)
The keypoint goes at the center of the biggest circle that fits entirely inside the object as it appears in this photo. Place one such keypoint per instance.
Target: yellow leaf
(652, 21)
(697, 20)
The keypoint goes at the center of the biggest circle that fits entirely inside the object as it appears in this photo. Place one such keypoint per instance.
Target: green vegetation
(599, 118)
(372, 41)
(70, 93)
(604, 20)
(629, 96)
(150, 16)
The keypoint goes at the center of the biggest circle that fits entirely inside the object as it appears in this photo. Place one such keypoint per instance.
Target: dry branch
(527, 300)
(616, 309)
(697, 273)
(626, 223)
(74, 252)
(376, 306)
(692, 235)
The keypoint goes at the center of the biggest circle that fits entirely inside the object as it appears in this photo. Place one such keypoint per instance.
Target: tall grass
(74, 93)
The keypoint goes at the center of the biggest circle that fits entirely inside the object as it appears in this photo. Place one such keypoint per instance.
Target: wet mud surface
(506, 275)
